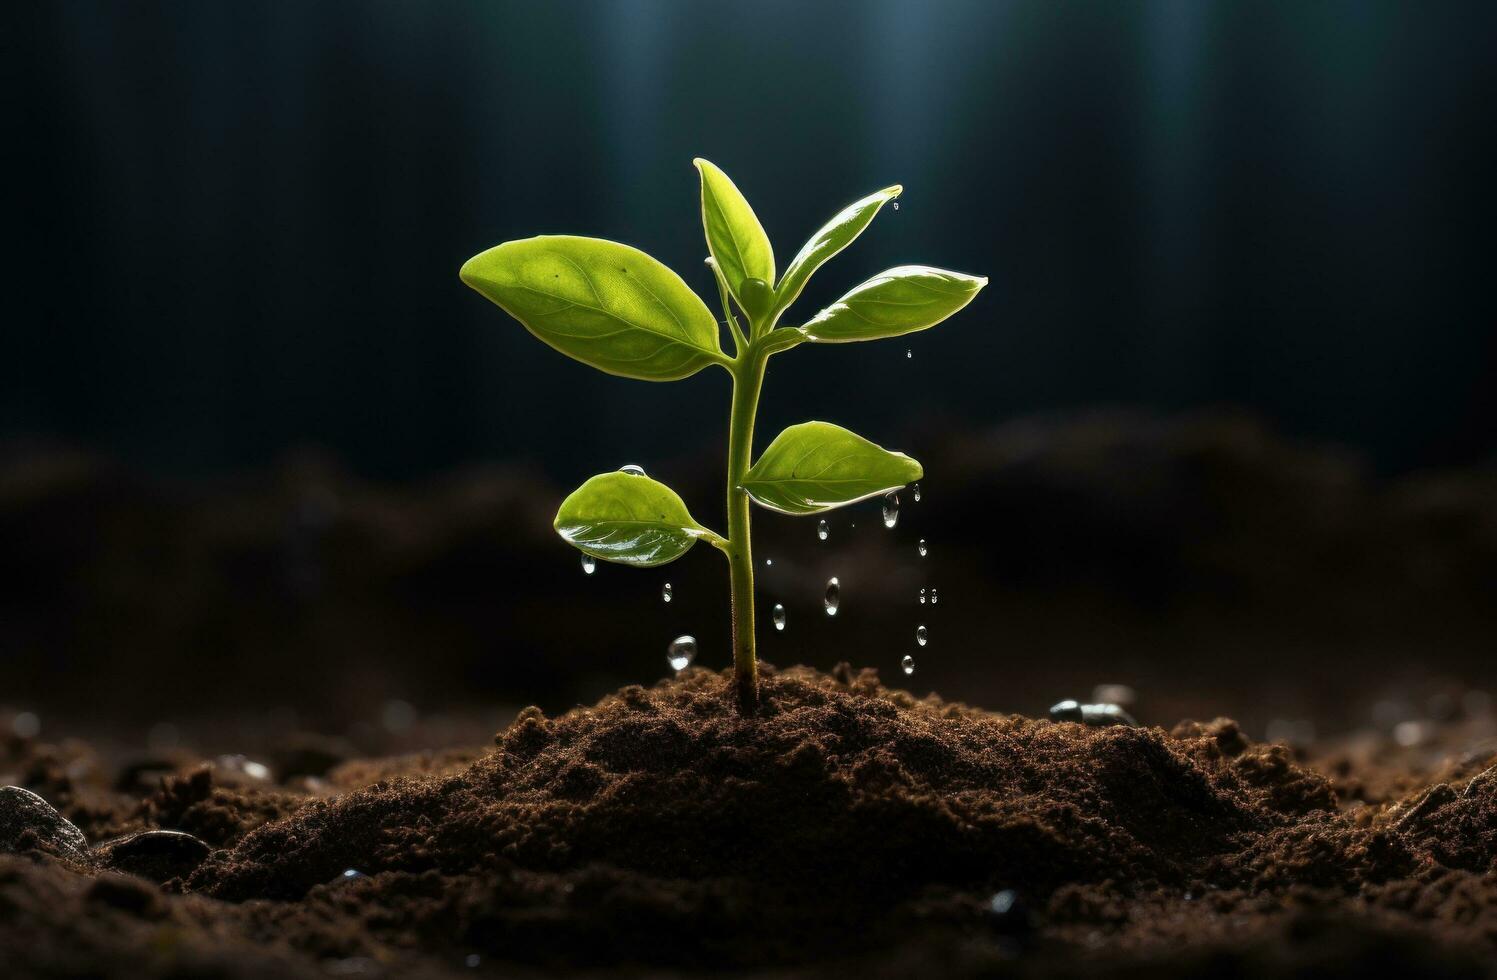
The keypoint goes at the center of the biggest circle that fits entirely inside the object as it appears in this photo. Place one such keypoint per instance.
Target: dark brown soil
(851, 828)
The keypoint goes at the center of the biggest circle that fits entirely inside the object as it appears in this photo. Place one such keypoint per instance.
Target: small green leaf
(605, 304)
(816, 466)
(629, 519)
(833, 237)
(734, 235)
(900, 301)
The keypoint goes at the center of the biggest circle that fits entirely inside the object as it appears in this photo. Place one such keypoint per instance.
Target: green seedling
(615, 308)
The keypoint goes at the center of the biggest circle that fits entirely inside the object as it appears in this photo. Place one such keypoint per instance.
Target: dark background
(236, 227)
(1222, 425)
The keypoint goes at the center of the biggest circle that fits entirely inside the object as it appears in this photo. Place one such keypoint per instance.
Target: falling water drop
(633, 469)
(891, 509)
(922, 636)
(822, 530)
(921, 547)
(934, 598)
(916, 489)
(683, 651)
(666, 592)
(908, 354)
(589, 564)
(779, 616)
(768, 562)
(833, 595)
(922, 597)
(908, 663)
(896, 205)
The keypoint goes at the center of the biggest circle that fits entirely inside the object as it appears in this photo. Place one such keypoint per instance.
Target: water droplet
(896, 205)
(922, 597)
(908, 354)
(908, 663)
(683, 651)
(921, 547)
(934, 598)
(351, 874)
(891, 509)
(666, 592)
(916, 489)
(822, 530)
(833, 595)
(589, 564)
(768, 562)
(633, 469)
(779, 616)
(922, 636)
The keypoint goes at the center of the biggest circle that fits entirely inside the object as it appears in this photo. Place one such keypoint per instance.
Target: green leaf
(629, 519)
(833, 237)
(900, 301)
(816, 466)
(734, 235)
(605, 304)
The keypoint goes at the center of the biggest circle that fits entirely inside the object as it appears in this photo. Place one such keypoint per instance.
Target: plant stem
(748, 378)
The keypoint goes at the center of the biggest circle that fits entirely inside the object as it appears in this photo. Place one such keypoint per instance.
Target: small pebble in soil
(1090, 714)
(159, 855)
(239, 765)
(1010, 912)
(683, 650)
(27, 820)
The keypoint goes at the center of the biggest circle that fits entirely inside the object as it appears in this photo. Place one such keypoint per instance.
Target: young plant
(617, 309)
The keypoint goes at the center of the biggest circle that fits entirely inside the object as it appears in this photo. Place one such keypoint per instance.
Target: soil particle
(848, 828)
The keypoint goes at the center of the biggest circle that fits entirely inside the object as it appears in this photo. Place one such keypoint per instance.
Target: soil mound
(848, 825)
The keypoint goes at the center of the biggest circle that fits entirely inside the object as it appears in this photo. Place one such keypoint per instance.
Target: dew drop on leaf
(921, 547)
(633, 469)
(833, 595)
(822, 530)
(589, 564)
(908, 663)
(779, 616)
(683, 651)
(891, 509)
(665, 592)
(922, 636)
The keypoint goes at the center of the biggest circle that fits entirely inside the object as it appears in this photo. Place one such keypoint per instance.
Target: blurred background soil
(1209, 565)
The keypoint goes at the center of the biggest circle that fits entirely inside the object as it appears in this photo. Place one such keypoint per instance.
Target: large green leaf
(833, 237)
(900, 301)
(603, 303)
(816, 466)
(734, 235)
(630, 519)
